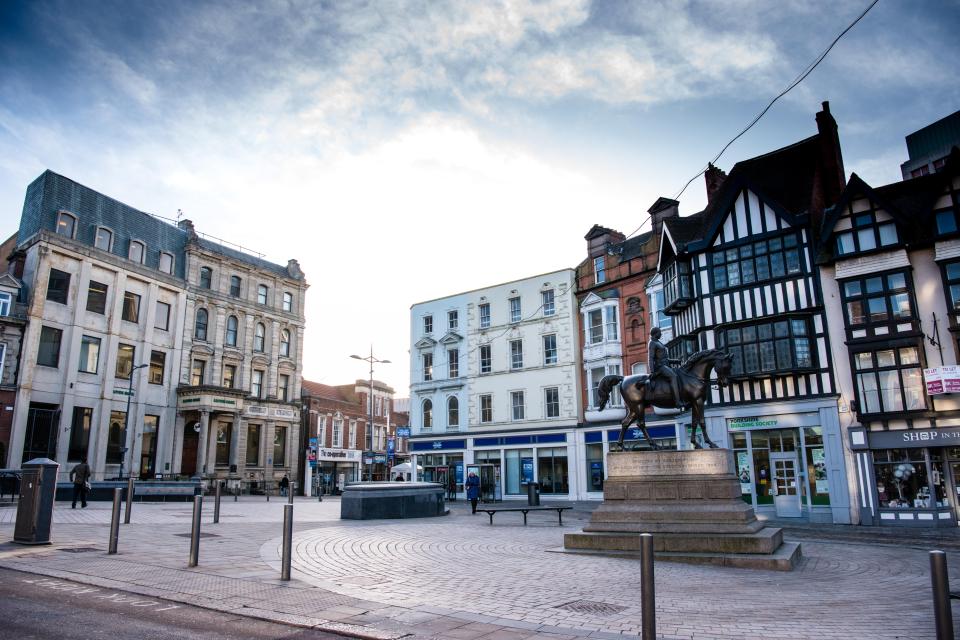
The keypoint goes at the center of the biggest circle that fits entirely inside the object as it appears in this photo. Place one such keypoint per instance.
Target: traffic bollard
(236, 493)
(287, 541)
(195, 531)
(290, 489)
(115, 521)
(320, 493)
(648, 610)
(266, 490)
(126, 512)
(216, 504)
(942, 614)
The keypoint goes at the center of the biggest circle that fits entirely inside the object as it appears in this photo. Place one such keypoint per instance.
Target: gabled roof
(677, 233)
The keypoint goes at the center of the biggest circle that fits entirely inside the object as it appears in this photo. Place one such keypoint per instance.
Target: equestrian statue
(668, 388)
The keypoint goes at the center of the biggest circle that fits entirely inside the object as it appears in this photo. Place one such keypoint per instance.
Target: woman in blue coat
(473, 490)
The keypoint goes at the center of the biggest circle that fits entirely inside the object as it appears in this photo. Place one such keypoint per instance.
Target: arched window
(285, 343)
(206, 277)
(104, 239)
(258, 336)
(136, 251)
(427, 414)
(232, 331)
(453, 412)
(66, 224)
(200, 328)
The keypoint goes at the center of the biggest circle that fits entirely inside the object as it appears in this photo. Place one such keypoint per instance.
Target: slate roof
(260, 263)
(633, 247)
(342, 393)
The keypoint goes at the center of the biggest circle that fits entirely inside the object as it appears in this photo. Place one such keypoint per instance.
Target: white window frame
(427, 325)
(547, 404)
(547, 361)
(453, 363)
(353, 434)
(518, 411)
(426, 409)
(337, 433)
(173, 262)
(143, 251)
(485, 315)
(486, 398)
(6, 303)
(548, 302)
(486, 361)
(516, 310)
(263, 294)
(287, 301)
(453, 320)
(96, 238)
(285, 343)
(64, 215)
(516, 354)
(166, 317)
(256, 383)
(599, 271)
(426, 360)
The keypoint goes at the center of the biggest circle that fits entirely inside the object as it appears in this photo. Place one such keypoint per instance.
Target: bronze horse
(693, 377)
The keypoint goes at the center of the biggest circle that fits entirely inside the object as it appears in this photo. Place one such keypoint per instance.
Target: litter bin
(38, 490)
(533, 494)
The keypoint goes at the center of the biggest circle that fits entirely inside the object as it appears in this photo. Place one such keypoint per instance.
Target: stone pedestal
(690, 501)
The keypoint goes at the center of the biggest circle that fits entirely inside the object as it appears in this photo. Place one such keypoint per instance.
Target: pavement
(457, 577)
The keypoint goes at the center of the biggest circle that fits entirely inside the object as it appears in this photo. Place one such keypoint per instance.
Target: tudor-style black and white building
(890, 272)
(741, 276)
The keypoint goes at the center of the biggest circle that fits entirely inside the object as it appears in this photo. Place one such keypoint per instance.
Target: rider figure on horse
(659, 365)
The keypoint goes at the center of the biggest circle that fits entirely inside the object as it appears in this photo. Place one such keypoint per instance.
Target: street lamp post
(369, 438)
(126, 420)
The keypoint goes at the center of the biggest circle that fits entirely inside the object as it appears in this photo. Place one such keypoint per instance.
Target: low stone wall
(389, 500)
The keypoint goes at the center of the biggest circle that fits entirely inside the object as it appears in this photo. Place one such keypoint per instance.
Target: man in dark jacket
(473, 490)
(80, 476)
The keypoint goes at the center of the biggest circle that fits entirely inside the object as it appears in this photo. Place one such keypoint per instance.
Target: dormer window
(867, 234)
(5, 302)
(66, 224)
(104, 239)
(136, 251)
(166, 262)
(677, 285)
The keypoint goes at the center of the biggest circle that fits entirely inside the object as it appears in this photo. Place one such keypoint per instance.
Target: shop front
(909, 477)
(442, 462)
(337, 467)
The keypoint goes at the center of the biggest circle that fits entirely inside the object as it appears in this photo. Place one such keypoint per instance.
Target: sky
(406, 151)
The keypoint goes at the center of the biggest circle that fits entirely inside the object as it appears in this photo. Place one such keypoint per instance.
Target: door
(955, 473)
(786, 487)
(188, 459)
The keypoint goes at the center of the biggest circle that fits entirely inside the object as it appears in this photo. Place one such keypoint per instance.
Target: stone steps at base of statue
(765, 541)
(783, 559)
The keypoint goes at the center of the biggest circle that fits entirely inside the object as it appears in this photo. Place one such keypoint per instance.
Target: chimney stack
(714, 178)
(662, 209)
(599, 239)
(833, 180)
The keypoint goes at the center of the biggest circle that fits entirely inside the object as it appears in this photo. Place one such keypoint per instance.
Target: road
(34, 607)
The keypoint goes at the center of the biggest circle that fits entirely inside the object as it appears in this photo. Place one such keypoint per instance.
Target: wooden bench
(525, 510)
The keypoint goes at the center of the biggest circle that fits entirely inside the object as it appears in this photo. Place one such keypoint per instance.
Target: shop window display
(818, 485)
(552, 470)
(902, 480)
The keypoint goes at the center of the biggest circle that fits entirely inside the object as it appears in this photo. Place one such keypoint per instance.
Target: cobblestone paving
(459, 578)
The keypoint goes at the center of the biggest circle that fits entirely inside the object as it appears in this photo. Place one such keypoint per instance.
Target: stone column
(269, 429)
(235, 444)
(202, 443)
(176, 453)
(212, 449)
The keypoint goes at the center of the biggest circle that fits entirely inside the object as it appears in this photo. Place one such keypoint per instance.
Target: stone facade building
(12, 324)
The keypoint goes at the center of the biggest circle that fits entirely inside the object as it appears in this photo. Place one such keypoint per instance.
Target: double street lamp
(369, 438)
(126, 420)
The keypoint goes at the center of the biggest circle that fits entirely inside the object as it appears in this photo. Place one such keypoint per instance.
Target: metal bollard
(942, 614)
(115, 521)
(648, 609)
(216, 504)
(320, 493)
(236, 492)
(287, 541)
(290, 489)
(195, 531)
(266, 490)
(126, 513)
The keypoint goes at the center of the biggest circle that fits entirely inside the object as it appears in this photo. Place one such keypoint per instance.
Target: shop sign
(256, 411)
(911, 438)
(753, 422)
(346, 455)
(819, 469)
(285, 413)
(403, 432)
(942, 380)
(380, 458)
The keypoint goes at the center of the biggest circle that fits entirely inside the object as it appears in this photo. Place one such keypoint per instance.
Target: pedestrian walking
(284, 485)
(473, 490)
(80, 475)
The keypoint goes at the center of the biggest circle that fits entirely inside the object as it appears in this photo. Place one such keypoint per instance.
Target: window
(58, 286)
(484, 316)
(258, 335)
(256, 384)
(253, 445)
(783, 345)
(158, 362)
(427, 414)
(224, 432)
(89, 354)
(48, 352)
(453, 412)
(6, 301)
(166, 262)
(947, 222)
(953, 286)
(453, 363)
(485, 359)
(124, 367)
(229, 375)
(867, 234)
(516, 354)
(595, 327)
(279, 446)
(516, 405)
(889, 380)
(599, 274)
(283, 387)
(427, 366)
(427, 324)
(453, 320)
(285, 343)
(547, 303)
(515, 314)
(287, 301)
(231, 335)
(610, 324)
(877, 300)
(131, 307)
(756, 262)
(352, 437)
(337, 433)
(198, 372)
(116, 437)
(162, 319)
(595, 375)
(552, 402)
(657, 317)
(676, 282)
(206, 277)
(200, 326)
(235, 286)
(97, 297)
(262, 294)
(136, 251)
(486, 408)
(550, 349)
(103, 239)
(66, 224)
(80, 433)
